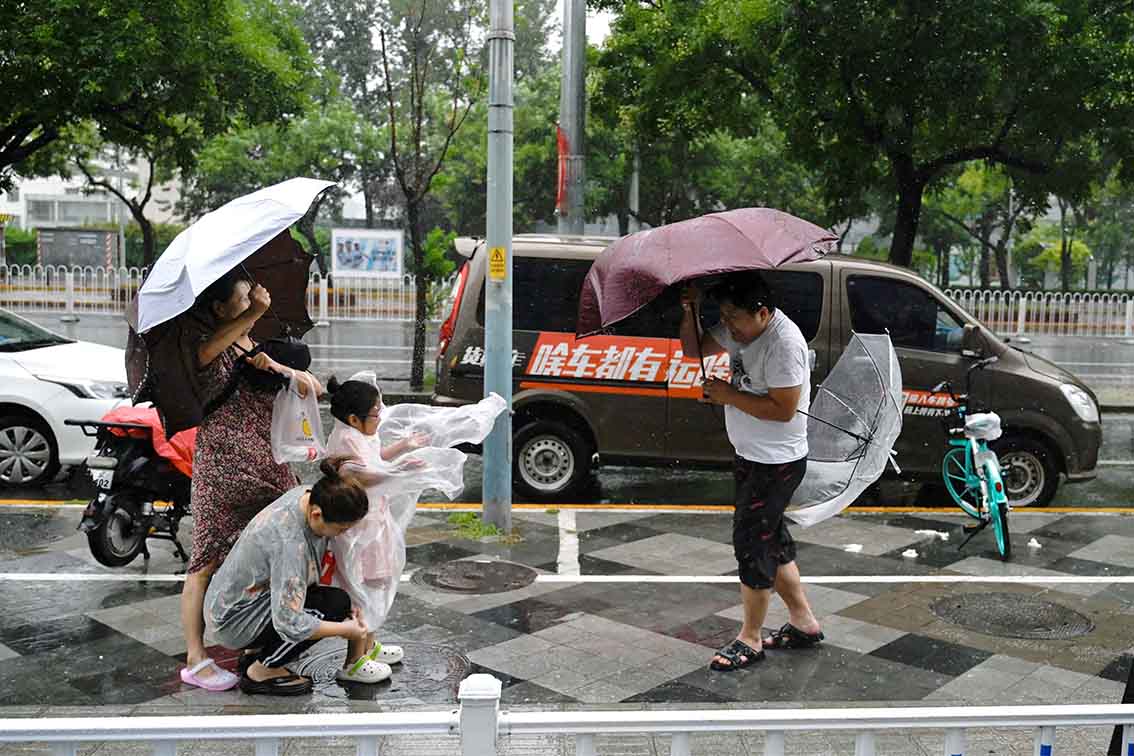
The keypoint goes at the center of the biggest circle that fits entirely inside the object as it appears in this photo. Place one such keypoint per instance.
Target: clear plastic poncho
(851, 429)
(370, 557)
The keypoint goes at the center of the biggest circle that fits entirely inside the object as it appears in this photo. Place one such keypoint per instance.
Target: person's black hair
(341, 498)
(220, 290)
(745, 290)
(352, 398)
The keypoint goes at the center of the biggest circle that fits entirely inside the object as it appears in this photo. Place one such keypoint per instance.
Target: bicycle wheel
(1000, 528)
(959, 481)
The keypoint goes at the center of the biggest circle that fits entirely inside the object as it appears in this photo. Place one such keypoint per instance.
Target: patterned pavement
(607, 637)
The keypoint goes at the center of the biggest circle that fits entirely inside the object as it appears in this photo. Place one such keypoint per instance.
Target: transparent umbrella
(851, 429)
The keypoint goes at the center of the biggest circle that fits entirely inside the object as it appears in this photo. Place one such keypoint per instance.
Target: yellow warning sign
(497, 264)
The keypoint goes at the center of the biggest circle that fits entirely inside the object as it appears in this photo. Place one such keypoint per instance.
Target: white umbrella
(219, 242)
(851, 429)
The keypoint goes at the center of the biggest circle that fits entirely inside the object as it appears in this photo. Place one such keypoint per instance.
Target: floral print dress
(234, 475)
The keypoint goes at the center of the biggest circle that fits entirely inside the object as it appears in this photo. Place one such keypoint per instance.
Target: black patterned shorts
(760, 538)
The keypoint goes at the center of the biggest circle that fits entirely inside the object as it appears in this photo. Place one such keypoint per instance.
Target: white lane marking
(94, 577)
(837, 579)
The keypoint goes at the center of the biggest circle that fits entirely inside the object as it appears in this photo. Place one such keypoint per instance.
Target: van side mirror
(972, 343)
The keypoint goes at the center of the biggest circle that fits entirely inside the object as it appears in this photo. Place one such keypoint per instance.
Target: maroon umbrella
(161, 364)
(636, 269)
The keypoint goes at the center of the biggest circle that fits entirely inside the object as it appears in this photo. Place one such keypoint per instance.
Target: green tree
(155, 77)
(877, 95)
(983, 203)
(325, 143)
(432, 80)
(462, 184)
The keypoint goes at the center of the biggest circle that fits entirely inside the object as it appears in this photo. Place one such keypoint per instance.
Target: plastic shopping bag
(297, 429)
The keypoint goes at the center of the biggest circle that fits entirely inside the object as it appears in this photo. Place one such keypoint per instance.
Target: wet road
(346, 347)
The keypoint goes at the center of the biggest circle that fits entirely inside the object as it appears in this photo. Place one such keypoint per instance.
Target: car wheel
(1029, 471)
(550, 461)
(28, 455)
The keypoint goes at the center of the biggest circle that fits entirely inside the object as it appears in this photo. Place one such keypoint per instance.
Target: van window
(913, 316)
(798, 294)
(545, 294)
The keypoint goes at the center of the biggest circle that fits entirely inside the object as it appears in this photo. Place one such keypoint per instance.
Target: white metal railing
(478, 724)
(1049, 313)
(73, 292)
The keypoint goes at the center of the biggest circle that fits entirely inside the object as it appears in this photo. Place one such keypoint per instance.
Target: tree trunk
(149, 241)
(368, 197)
(421, 286)
(985, 265)
(623, 222)
(909, 211)
(1064, 248)
(943, 263)
(1002, 264)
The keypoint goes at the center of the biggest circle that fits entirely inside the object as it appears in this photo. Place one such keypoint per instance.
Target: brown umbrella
(636, 269)
(161, 364)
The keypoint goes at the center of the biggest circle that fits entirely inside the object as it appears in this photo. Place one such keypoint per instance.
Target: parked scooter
(139, 494)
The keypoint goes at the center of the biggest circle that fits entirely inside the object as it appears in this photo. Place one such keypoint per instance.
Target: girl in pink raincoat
(369, 561)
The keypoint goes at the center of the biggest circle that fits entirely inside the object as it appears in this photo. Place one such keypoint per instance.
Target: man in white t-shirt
(770, 387)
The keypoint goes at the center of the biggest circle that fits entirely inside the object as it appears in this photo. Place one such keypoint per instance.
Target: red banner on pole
(561, 187)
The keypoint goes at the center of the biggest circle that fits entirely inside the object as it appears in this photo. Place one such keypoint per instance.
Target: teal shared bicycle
(971, 469)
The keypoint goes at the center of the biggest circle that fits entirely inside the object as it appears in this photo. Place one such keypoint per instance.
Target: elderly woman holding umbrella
(234, 474)
(192, 353)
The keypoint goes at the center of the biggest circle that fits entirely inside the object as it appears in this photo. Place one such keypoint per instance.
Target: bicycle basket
(984, 426)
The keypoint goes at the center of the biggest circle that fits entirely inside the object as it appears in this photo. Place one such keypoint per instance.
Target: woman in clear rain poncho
(396, 453)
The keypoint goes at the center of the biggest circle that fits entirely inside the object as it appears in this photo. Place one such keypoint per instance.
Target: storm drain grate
(1012, 615)
(472, 576)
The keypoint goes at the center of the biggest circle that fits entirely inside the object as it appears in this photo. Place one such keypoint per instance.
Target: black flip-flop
(732, 653)
(277, 686)
(791, 637)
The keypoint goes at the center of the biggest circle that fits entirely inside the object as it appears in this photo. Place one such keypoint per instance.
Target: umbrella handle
(700, 351)
(284, 327)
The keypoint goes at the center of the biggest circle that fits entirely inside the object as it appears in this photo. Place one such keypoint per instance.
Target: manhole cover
(471, 576)
(1012, 615)
(431, 674)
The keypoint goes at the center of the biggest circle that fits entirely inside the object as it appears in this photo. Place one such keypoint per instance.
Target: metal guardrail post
(480, 714)
(165, 748)
(679, 745)
(69, 315)
(955, 743)
(585, 745)
(1128, 740)
(64, 749)
(864, 744)
(1021, 315)
(1045, 741)
(322, 322)
(1128, 330)
(774, 744)
(367, 746)
(267, 747)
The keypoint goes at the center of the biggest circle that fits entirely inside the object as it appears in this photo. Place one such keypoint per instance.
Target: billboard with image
(366, 253)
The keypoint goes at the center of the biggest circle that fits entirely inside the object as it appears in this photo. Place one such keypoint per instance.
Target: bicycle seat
(983, 426)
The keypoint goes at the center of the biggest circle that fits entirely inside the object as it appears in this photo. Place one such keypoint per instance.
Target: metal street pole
(572, 112)
(497, 488)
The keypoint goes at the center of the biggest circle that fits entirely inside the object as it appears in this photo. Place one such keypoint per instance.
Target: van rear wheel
(550, 461)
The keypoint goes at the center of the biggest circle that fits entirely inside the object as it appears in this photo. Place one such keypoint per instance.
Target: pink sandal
(221, 679)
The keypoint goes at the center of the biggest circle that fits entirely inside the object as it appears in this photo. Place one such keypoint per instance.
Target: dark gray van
(630, 398)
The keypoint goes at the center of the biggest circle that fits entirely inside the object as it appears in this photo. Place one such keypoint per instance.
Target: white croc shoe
(365, 670)
(387, 654)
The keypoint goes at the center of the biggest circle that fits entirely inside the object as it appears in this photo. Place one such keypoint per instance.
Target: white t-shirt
(777, 359)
